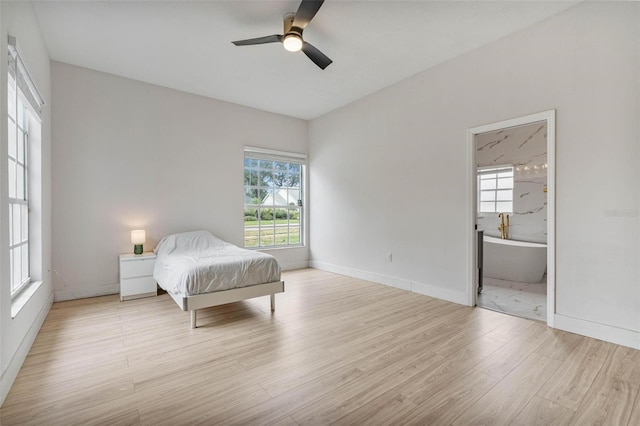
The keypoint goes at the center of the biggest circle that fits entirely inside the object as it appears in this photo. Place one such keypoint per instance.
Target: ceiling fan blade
(318, 58)
(306, 11)
(260, 40)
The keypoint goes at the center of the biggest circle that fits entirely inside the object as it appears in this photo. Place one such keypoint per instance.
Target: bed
(199, 270)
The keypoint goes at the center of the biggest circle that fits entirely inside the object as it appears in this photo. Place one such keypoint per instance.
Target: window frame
(494, 173)
(21, 243)
(268, 189)
(26, 103)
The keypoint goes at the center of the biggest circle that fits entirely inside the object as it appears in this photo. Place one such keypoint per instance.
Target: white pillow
(188, 242)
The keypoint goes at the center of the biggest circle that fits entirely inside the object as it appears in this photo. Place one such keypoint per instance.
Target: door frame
(550, 118)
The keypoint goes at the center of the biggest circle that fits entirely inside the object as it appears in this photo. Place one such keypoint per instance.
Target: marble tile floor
(527, 300)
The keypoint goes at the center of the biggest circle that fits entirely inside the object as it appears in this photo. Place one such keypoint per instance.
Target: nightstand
(136, 276)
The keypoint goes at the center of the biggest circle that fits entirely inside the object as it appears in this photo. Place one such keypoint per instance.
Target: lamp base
(137, 249)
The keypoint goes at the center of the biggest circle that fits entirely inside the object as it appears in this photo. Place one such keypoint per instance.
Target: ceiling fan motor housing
(288, 21)
(288, 25)
(292, 39)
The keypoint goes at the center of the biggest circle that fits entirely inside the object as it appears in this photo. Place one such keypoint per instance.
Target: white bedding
(193, 263)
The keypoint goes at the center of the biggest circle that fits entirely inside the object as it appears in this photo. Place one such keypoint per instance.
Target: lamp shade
(138, 236)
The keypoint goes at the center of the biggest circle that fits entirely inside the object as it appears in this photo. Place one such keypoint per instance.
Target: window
(24, 104)
(273, 194)
(495, 189)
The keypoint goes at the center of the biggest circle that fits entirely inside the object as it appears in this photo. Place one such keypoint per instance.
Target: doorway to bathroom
(512, 190)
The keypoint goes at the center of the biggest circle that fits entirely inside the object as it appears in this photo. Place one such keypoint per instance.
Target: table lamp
(138, 238)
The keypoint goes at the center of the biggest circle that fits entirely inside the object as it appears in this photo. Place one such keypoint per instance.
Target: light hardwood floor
(336, 350)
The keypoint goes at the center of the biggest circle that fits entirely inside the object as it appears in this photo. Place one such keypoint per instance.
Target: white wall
(389, 172)
(131, 155)
(17, 333)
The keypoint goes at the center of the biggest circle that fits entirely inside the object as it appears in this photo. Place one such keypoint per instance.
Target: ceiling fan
(294, 24)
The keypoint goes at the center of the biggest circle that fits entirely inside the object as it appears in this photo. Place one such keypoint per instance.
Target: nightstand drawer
(137, 268)
(137, 287)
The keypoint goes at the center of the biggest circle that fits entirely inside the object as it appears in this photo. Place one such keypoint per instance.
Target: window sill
(273, 248)
(20, 301)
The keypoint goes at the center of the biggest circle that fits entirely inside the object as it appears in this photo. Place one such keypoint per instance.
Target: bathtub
(511, 260)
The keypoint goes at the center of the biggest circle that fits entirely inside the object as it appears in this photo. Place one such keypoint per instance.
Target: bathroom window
(495, 189)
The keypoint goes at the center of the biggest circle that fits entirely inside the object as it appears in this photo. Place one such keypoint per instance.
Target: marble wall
(524, 147)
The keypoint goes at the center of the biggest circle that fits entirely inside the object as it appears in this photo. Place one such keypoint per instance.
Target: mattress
(192, 263)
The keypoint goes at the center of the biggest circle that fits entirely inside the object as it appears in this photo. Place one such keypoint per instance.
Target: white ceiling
(185, 45)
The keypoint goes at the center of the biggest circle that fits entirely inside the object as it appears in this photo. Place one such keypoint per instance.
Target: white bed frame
(199, 301)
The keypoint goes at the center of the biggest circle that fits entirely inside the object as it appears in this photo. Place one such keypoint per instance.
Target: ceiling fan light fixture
(292, 42)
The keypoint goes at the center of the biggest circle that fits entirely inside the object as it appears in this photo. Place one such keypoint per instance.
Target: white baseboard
(440, 293)
(598, 331)
(66, 293)
(363, 275)
(401, 283)
(13, 367)
(290, 266)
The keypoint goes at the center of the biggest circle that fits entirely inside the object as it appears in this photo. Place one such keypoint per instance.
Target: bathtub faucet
(503, 228)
